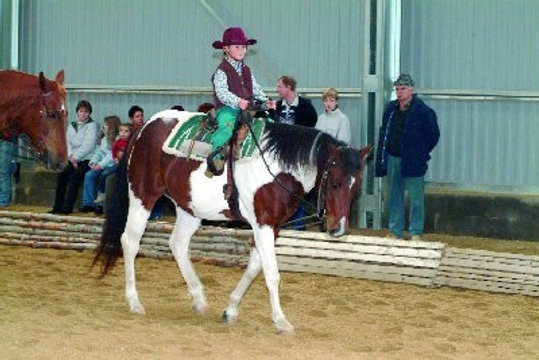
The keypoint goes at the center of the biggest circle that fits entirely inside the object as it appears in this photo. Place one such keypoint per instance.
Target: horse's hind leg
(230, 315)
(134, 229)
(186, 226)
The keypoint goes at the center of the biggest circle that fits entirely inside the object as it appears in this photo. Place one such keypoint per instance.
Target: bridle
(321, 198)
(320, 203)
(50, 114)
(44, 114)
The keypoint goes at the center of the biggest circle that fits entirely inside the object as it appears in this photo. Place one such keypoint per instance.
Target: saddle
(191, 139)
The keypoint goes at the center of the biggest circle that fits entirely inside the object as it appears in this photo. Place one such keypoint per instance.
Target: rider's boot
(216, 164)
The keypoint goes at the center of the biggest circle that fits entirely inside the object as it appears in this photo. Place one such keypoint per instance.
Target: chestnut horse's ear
(364, 152)
(43, 82)
(60, 77)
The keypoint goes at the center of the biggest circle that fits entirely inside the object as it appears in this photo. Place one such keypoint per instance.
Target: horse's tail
(117, 206)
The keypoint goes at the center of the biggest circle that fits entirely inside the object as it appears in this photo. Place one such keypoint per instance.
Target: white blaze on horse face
(352, 182)
(342, 227)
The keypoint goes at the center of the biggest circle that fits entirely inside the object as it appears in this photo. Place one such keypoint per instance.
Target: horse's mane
(17, 85)
(296, 146)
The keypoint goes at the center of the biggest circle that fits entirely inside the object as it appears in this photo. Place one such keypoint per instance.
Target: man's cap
(404, 80)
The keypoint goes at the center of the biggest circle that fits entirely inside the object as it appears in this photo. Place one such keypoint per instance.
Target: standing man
(292, 108)
(408, 134)
(8, 166)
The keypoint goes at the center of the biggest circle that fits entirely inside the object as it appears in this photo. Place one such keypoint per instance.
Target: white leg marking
(134, 229)
(265, 243)
(186, 226)
(230, 315)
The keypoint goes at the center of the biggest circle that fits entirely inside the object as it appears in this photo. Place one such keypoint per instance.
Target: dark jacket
(239, 85)
(305, 113)
(419, 137)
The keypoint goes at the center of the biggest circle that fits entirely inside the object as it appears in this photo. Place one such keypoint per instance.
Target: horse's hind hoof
(229, 319)
(284, 327)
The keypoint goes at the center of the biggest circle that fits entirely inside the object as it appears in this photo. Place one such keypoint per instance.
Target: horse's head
(340, 183)
(51, 141)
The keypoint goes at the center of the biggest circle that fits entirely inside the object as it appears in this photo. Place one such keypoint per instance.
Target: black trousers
(67, 187)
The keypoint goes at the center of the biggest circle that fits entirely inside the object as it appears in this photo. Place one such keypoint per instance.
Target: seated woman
(81, 143)
(99, 162)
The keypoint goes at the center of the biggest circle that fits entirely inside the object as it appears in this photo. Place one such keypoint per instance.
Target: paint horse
(35, 106)
(293, 160)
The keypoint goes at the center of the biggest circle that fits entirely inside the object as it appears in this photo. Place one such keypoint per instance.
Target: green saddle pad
(188, 140)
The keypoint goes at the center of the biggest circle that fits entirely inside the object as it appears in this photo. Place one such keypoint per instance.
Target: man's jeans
(7, 168)
(416, 195)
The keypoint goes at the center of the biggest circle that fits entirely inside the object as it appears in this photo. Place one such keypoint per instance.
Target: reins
(320, 208)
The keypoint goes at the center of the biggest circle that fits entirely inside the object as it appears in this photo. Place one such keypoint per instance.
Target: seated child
(117, 152)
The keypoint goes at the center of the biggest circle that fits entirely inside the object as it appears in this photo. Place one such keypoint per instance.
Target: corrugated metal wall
(163, 47)
(5, 33)
(475, 62)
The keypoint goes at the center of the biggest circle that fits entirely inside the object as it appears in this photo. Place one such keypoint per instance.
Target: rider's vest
(239, 85)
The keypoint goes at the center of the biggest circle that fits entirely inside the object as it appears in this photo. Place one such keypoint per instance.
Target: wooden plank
(331, 254)
(356, 274)
(490, 277)
(369, 267)
(510, 276)
(473, 252)
(359, 248)
(488, 286)
(520, 261)
(489, 265)
(359, 239)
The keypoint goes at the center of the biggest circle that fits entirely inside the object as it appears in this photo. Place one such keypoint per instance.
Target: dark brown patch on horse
(283, 196)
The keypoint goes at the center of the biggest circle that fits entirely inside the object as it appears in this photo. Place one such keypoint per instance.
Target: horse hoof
(284, 327)
(138, 309)
(229, 319)
(200, 309)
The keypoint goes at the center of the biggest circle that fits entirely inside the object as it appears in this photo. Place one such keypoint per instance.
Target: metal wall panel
(480, 58)
(486, 144)
(111, 49)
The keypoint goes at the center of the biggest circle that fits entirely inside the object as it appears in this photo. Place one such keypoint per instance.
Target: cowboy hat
(233, 36)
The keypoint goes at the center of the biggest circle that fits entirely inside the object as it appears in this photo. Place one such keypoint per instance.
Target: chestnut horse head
(35, 106)
(292, 161)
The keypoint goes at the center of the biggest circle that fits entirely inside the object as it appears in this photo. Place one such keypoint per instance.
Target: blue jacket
(419, 137)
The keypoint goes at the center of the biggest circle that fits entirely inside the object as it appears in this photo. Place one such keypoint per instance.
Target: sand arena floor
(53, 307)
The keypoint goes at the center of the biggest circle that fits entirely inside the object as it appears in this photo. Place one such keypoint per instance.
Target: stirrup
(215, 167)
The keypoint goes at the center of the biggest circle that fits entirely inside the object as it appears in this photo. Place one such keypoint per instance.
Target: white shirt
(336, 124)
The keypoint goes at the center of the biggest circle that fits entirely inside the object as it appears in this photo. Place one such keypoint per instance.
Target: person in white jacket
(81, 143)
(333, 121)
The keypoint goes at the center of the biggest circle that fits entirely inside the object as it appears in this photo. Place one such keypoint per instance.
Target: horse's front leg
(230, 315)
(186, 226)
(134, 229)
(265, 243)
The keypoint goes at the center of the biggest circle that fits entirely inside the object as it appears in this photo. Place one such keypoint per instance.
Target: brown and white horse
(293, 161)
(35, 106)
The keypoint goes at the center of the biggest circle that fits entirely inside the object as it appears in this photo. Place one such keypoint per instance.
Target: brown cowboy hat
(233, 36)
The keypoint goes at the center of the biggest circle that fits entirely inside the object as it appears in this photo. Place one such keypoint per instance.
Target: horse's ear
(333, 150)
(60, 77)
(43, 82)
(364, 152)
